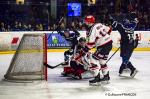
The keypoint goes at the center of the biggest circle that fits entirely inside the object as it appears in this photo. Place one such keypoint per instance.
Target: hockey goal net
(27, 62)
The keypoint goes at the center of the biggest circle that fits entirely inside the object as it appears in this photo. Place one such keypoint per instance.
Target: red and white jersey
(99, 35)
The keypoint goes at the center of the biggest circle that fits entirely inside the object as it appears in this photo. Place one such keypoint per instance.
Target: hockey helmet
(66, 33)
(89, 19)
(67, 30)
(82, 39)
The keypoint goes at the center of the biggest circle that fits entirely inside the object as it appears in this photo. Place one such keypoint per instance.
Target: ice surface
(58, 87)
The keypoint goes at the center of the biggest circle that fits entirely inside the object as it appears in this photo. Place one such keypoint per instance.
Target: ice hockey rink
(58, 87)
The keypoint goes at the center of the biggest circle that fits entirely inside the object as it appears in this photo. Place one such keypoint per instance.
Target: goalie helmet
(89, 19)
(82, 39)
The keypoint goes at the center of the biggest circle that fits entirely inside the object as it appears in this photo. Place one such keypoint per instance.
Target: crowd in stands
(37, 17)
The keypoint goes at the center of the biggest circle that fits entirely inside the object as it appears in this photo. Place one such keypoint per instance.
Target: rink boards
(10, 40)
(63, 50)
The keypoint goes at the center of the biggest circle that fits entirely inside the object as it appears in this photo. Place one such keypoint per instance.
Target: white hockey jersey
(99, 35)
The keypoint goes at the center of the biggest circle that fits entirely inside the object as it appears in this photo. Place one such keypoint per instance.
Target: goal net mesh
(27, 63)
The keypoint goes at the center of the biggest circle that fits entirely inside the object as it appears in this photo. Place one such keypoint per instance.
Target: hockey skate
(133, 73)
(105, 79)
(124, 75)
(122, 70)
(133, 70)
(122, 67)
(96, 81)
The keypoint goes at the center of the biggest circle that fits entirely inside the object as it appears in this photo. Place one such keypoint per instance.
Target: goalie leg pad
(68, 70)
(78, 73)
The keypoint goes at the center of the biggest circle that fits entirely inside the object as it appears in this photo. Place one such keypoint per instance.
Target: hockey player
(79, 63)
(128, 42)
(72, 38)
(98, 36)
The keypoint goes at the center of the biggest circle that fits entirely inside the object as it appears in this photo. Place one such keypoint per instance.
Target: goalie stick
(52, 67)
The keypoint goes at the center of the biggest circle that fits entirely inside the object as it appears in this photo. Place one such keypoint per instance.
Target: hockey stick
(52, 67)
(56, 27)
(112, 55)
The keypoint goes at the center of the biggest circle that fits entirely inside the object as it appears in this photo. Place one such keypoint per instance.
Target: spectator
(15, 18)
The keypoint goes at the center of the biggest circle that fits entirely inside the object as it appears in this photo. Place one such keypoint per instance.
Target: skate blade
(126, 70)
(125, 76)
(95, 84)
(121, 75)
(76, 78)
(106, 82)
(132, 76)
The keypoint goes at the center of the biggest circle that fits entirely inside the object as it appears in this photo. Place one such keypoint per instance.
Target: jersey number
(102, 33)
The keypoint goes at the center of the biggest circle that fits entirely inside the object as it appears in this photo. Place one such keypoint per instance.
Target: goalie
(80, 66)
